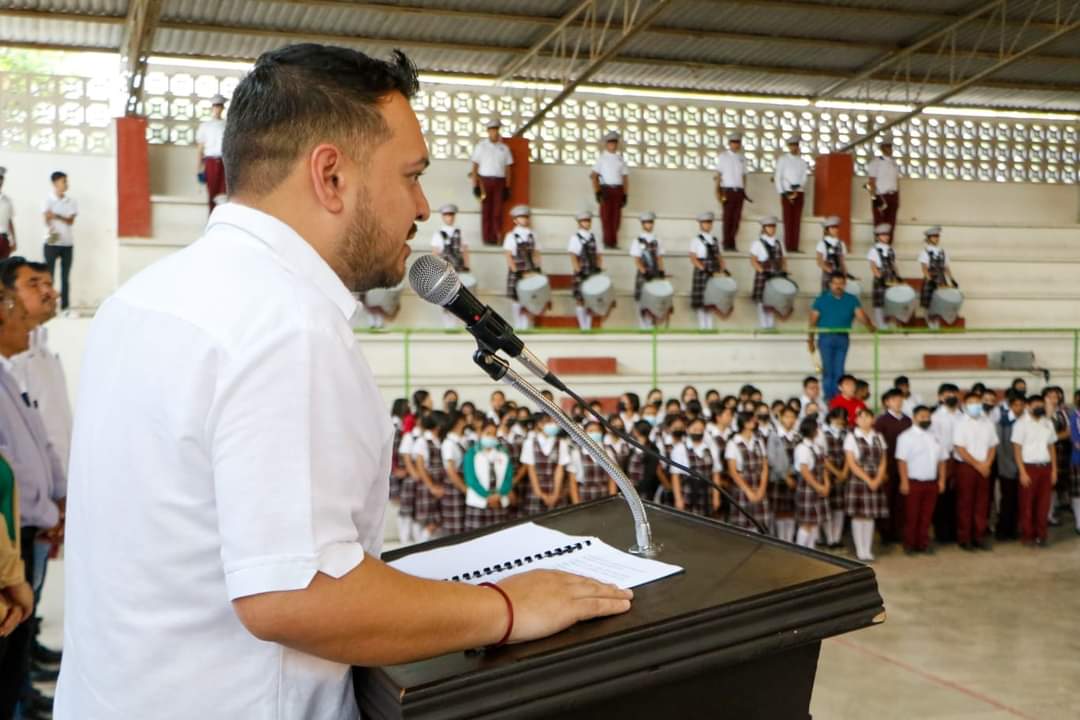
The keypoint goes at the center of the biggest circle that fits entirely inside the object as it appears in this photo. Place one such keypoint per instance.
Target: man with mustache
(231, 450)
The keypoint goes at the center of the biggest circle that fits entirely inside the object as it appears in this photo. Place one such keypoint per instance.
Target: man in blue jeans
(835, 310)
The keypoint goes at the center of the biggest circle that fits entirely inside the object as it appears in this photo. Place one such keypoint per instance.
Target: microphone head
(433, 279)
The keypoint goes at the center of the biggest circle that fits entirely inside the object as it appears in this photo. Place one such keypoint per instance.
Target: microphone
(433, 279)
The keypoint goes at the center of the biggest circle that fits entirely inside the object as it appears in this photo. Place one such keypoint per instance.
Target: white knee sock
(584, 319)
(644, 320)
(879, 317)
(785, 529)
(404, 529)
(763, 316)
(702, 319)
(933, 323)
(711, 318)
(862, 532)
(805, 538)
(520, 316)
(834, 529)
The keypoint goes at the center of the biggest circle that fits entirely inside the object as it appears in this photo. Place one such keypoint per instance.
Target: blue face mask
(551, 429)
(598, 437)
(973, 410)
(489, 442)
(651, 419)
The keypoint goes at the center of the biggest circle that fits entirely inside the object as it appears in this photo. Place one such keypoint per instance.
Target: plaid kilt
(452, 510)
(588, 264)
(834, 453)
(545, 476)
(759, 510)
(1076, 481)
(426, 509)
(812, 508)
(452, 252)
(635, 469)
(593, 484)
(407, 497)
(927, 292)
(835, 258)
(781, 498)
(522, 264)
(859, 499)
(888, 275)
(697, 290)
(696, 494)
(480, 518)
(648, 257)
(936, 270)
(396, 465)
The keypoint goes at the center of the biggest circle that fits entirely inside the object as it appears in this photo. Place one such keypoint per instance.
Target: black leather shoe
(967, 547)
(43, 655)
(983, 545)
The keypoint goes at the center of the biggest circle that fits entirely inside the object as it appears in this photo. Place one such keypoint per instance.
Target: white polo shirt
(731, 167)
(40, 373)
(976, 435)
(492, 159)
(637, 248)
(886, 174)
(576, 246)
(230, 440)
(1034, 438)
(805, 456)
(759, 250)
(791, 171)
(211, 135)
(65, 207)
(7, 212)
(611, 168)
(943, 422)
(928, 250)
(922, 453)
(698, 248)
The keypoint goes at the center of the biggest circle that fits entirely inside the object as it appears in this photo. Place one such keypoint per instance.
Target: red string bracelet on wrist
(509, 609)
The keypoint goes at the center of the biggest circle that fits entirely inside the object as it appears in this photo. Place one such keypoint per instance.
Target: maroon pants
(491, 209)
(886, 214)
(5, 246)
(972, 504)
(733, 201)
(792, 211)
(918, 511)
(611, 203)
(1035, 503)
(214, 169)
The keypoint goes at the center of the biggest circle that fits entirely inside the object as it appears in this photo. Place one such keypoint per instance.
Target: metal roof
(759, 47)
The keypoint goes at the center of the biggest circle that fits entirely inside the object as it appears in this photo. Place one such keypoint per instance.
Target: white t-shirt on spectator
(65, 207)
(211, 135)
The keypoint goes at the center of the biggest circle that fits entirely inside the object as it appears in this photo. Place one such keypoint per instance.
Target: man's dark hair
(845, 378)
(918, 409)
(837, 275)
(809, 379)
(301, 95)
(890, 394)
(947, 387)
(57, 175)
(901, 380)
(9, 270)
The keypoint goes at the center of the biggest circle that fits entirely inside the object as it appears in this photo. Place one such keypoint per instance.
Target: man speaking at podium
(231, 451)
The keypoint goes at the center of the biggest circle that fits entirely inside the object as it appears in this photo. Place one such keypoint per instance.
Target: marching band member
(768, 259)
(648, 255)
(790, 177)
(490, 175)
(935, 271)
(882, 259)
(831, 252)
(731, 187)
(707, 261)
(522, 257)
(612, 187)
(448, 244)
(585, 256)
(883, 182)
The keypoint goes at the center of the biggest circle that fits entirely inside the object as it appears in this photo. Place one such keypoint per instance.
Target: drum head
(720, 292)
(900, 302)
(657, 297)
(598, 294)
(534, 293)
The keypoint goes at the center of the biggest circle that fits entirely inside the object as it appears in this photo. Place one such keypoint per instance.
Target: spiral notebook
(533, 547)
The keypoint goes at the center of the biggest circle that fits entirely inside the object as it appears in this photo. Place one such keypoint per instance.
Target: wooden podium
(736, 635)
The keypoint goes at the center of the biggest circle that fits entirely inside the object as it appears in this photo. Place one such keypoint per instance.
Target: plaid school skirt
(697, 288)
(395, 486)
(407, 497)
(426, 505)
(593, 489)
(452, 510)
(1075, 471)
(811, 508)
(781, 498)
(480, 518)
(759, 510)
(836, 495)
(696, 496)
(861, 501)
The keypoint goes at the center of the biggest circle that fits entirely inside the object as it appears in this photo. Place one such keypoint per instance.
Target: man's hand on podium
(548, 601)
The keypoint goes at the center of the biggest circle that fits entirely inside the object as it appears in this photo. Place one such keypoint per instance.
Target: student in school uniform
(1008, 471)
(790, 177)
(707, 260)
(847, 399)
(430, 475)
(448, 243)
(768, 259)
(522, 257)
(1074, 460)
(974, 448)
(1033, 439)
(209, 138)
(377, 317)
(1054, 398)
(545, 457)
(586, 257)
(865, 501)
(748, 468)
(936, 272)
(408, 530)
(398, 410)
(452, 502)
(648, 255)
(783, 475)
(588, 480)
(615, 444)
(675, 435)
(882, 259)
(8, 243)
(920, 459)
(694, 452)
(611, 185)
(831, 252)
(832, 438)
(890, 424)
(644, 470)
(491, 178)
(731, 187)
(489, 479)
(812, 485)
(943, 424)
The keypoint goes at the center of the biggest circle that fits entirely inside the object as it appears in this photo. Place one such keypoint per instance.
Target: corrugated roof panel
(89, 7)
(67, 33)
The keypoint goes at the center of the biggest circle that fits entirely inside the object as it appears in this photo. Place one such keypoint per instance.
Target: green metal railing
(656, 334)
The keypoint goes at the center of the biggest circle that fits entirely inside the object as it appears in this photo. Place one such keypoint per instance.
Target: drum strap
(648, 255)
(888, 262)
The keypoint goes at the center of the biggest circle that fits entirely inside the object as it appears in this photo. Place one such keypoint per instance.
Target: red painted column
(833, 174)
(519, 178)
(132, 178)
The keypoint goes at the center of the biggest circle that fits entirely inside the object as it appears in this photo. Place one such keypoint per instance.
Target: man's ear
(326, 166)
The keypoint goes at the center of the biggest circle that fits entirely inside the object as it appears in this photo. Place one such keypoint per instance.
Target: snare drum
(720, 293)
(534, 293)
(598, 294)
(468, 281)
(388, 300)
(657, 297)
(945, 303)
(853, 287)
(780, 295)
(900, 302)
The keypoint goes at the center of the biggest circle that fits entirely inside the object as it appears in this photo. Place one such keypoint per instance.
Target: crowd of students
(977, 464)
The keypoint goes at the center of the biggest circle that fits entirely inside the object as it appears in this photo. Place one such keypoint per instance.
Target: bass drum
(780, 295)
(854, 287)
(534, 293)
(720, 293)
(657, 297)
(945, 303)
(900, 302)
(598, 294)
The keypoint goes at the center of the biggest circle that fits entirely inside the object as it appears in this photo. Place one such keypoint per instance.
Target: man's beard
(369, 255)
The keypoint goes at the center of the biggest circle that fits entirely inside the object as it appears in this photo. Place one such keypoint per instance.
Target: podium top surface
(737, 589)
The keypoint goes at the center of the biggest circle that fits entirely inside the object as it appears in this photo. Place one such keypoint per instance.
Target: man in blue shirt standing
(835, 310)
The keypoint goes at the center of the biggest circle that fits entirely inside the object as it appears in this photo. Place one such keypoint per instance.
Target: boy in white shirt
(882, 259)
(974, 447)
(790, 177)
(883, 182)
(768, 259)
(936, 272)
(209, 139)
(648, 256)
(611, 185)
(1033, 439)
(448, 243)
(522, 257)
(60, 210)
(586, 258)
(920, 460)
(491, 178)
(707, 260)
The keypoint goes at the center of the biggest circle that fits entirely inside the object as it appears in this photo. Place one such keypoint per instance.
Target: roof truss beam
(139, 27)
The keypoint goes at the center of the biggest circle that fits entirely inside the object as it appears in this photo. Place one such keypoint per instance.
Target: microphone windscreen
(433, 279)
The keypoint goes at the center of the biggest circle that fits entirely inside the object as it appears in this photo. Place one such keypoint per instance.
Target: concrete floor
(987, 636)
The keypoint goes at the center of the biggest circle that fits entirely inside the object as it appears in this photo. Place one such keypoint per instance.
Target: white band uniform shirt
(791, 171)
(219, 428)
(828, 245)
(922, 452)
(885, 173)
(7, 212)
(492, 158)
(65, 207)
(576, 244)
(876, 252)
(516, 236)
(976, 435)
(211, 135)
(928, 250)
(760, 247)
(700, 250)
(731, 167)
(1034, 436)
(611, 168)
(439, 242)
(637, 248)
